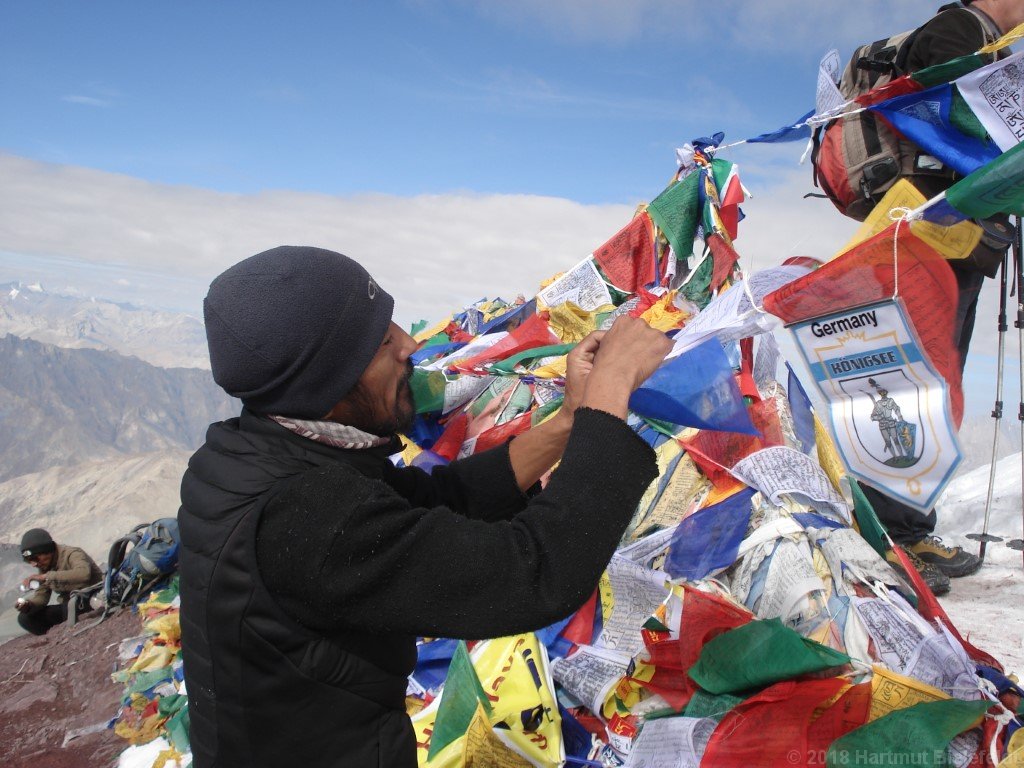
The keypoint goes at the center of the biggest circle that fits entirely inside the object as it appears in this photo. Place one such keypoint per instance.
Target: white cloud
(89, 101)
(432, 252)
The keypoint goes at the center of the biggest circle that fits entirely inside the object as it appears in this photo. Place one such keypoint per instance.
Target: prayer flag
(916, 735)
(695, 389)
(930, 119)
(865, 274)
(460, 698)
(707, 541)
(996, 188)
(628, 259)
(760, 653)
(770, 728)
(676, 211)
(795, 132)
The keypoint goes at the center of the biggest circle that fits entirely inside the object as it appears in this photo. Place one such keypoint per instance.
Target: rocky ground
(56, 696)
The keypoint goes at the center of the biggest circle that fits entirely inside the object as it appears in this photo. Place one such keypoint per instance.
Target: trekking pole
(1018, 544)
(997, 413)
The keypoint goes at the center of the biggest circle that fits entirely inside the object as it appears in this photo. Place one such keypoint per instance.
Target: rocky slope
(61, 407)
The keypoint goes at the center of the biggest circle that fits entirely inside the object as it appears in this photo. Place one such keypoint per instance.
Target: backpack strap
(990, 32)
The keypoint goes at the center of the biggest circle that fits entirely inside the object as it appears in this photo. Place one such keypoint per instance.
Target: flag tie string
(899, 215)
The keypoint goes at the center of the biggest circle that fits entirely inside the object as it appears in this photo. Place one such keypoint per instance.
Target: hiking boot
(952, 561)
(937, 581)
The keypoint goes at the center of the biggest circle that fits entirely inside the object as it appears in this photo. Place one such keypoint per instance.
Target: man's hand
(627, 354)
(26, 583)
(579, 363)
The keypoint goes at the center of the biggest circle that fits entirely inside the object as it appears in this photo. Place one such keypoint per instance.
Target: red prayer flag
(450, 441)
(627, 259)
(725, 258)
(770, 728)
(531, 334)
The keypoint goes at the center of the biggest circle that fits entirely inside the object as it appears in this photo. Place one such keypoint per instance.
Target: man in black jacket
(957, 30)
(310, 563)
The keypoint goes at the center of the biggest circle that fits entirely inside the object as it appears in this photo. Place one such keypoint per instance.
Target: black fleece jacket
(364, 546)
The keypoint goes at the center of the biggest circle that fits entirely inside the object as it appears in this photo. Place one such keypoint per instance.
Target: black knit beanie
(292, 329)
(37, 542)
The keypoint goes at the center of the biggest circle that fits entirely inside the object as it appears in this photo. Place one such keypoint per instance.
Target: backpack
(140, 560)
(857, 158)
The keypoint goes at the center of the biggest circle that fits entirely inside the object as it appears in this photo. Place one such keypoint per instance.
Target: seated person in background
(62, 569)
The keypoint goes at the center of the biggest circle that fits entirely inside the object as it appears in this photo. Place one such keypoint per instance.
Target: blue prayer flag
(794, 132)
(924, 118)
(695, 389)
(800, 408)
(707, 541)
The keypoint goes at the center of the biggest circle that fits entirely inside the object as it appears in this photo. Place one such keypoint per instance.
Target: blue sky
(459, 148)
(573, 99)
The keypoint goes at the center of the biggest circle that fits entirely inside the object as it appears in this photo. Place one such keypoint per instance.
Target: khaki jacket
(72, 569)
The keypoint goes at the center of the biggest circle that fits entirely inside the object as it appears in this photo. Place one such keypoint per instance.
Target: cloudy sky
(458, 148)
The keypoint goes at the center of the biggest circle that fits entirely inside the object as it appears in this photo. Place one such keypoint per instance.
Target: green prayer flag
(676, 211)
(509, 363)
(704, 704)
(871, 528)
(698, 288)
(917, 735)
(997, 187)
(948, 71)
(758, 654)
(459, 699)
(416, 327)
(428, 390)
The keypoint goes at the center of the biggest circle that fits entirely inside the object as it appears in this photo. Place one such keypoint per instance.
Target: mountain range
(101, 405)
(165, 339)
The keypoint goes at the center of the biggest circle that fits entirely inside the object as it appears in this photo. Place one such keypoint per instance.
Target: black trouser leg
(905, 524)
(41, 621)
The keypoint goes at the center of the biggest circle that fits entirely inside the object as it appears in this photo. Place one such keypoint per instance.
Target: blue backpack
(141, 560)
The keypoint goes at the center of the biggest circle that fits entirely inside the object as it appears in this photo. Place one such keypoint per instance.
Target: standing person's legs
(969, 283)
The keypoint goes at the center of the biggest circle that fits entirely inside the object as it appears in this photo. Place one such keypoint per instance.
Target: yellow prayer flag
(1011, 37)
(433, 330)
(891, 691)
(828, 456)
(517, 682)
(1014, 751)
(570, 323)
(955, 242)
(664, 315)
(484, 749)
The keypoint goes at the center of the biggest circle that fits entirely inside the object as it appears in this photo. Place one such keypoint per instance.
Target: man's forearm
(535, 451)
